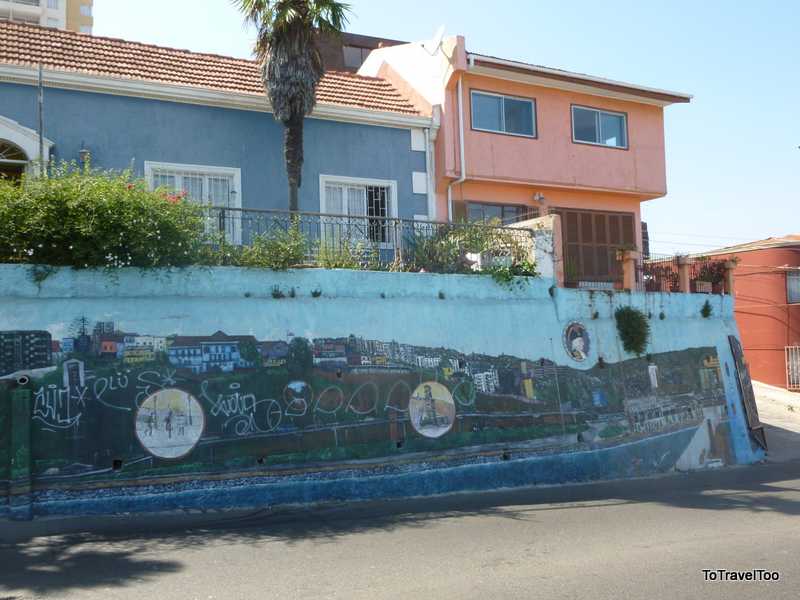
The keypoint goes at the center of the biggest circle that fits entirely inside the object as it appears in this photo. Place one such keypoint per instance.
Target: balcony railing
(383, 242)
(661, 273)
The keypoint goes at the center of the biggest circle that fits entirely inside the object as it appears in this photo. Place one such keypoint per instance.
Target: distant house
(273, 354)
(767, 306)
(217, 352)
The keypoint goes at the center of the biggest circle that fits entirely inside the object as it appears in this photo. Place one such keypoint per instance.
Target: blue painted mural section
(355, 385)
(120, 131)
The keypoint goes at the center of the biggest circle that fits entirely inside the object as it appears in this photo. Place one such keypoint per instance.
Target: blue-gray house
(201, 124)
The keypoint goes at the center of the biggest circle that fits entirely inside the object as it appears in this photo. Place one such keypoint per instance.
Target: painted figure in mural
(429, 416)
(168, 423)
(431, 409)
(576, 341)
(152, 423)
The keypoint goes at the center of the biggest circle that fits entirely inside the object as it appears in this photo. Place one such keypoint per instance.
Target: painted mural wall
(201, 388)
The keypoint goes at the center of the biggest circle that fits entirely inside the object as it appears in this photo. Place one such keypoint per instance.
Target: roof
(664, 96)
(29, 45)
(772, 242)
(219, 336)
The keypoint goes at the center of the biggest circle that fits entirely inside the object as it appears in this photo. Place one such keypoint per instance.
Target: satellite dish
(432, 45)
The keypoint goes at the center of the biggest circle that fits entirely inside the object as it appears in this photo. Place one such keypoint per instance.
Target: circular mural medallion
(576, 341)
(431, 409)
(169, 423)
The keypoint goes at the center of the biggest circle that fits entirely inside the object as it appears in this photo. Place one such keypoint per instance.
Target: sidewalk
(779, 410)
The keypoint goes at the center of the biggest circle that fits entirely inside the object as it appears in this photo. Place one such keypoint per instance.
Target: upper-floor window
(52, 4)
(601, 127)
(503, 114)
(506, 213)
(354, 56)
(793, 287)
(86, 10)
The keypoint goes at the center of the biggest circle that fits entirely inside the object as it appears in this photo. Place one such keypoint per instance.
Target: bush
(347, 255)
(84, 219)
(279, 249)
(633, 329)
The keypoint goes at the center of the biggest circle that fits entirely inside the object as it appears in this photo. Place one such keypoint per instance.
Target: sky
(733, 153)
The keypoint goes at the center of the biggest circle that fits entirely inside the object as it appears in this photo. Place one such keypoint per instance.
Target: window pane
(486, 112)
(352, 56)
(474, 211)
(519, 116)
(219, 191)
(162, 180)
(193, 186)
(584, 124)
(612, 130)
(793, 287)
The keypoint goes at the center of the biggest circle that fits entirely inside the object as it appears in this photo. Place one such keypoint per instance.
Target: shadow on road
(52, 557)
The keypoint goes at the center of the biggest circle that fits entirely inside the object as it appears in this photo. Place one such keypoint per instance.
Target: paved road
(637, 539)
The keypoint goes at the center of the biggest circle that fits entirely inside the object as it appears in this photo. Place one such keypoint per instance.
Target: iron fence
(384, 241)
(661, 273)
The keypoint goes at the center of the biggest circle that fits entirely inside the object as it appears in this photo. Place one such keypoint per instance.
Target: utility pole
(41, 122)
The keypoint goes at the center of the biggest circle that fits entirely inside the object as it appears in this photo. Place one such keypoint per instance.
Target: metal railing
(403, 243)
(661, 273)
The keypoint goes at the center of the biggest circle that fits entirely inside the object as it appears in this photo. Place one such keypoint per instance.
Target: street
(647, 538)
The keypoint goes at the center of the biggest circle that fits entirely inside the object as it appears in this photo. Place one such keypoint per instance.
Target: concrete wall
(315, 385)
(120, 131)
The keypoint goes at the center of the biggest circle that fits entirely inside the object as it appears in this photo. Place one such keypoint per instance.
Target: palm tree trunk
(293, 155)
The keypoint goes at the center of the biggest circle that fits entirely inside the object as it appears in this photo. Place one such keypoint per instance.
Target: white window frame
(150, 167)
(532, 102)
(324, 180)
(599, 111)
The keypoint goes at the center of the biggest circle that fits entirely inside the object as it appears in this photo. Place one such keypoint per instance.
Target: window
(52, 22)
(503, 114)
(506, 213)
(215, 186)
(793, 287)
(354, 56)
(592, 126)
(52, 4)
(86, 10)
(86, 29)
(374, 200)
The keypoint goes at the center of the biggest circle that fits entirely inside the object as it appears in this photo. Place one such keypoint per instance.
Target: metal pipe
(463, 177)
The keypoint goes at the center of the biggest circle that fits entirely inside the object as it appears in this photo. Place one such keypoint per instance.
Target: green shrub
(83, 219)
(706, 310)
(279, 249)
(346, 254)
(633, 329)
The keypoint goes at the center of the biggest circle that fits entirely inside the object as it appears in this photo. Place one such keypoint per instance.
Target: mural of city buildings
(108, 398)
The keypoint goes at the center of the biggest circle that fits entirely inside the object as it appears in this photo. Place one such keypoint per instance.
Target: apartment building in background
(72, 15)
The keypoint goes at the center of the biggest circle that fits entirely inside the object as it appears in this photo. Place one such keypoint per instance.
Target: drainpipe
(463, 176)
(429, 160)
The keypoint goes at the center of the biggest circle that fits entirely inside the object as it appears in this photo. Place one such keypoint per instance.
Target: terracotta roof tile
(28, 45)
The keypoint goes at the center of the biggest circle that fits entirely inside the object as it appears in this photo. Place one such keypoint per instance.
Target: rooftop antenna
(432, 45)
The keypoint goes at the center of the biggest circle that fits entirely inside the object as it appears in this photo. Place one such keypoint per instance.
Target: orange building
(518, 140)
(767, 307)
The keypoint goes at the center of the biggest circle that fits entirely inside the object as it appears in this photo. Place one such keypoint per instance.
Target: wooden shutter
(591, 240)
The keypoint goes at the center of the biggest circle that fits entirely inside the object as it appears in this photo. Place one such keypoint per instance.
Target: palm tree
(291, 63)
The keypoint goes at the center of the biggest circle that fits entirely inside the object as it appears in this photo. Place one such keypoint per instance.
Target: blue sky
(733, 162)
